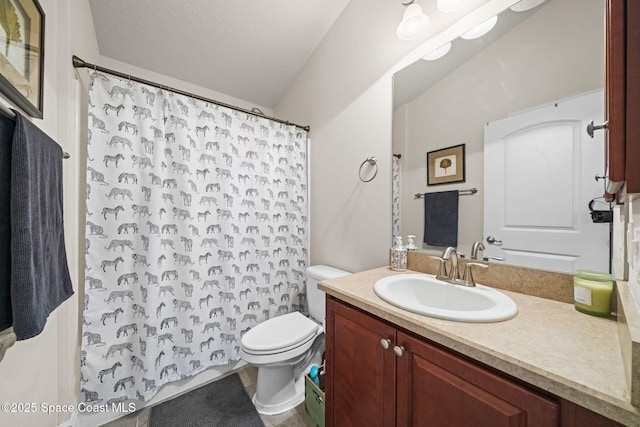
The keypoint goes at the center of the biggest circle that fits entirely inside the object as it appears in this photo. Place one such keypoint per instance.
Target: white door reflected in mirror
(538, 173)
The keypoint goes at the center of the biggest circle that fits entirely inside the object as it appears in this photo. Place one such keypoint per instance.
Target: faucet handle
(495, 258)
(442, 269)
(467, 278)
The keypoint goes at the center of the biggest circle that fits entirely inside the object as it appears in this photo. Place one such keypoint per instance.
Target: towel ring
(373, 162)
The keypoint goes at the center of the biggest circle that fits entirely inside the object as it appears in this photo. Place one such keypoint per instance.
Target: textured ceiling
(251, 50)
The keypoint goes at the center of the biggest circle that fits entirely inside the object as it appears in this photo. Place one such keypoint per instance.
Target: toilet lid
(279, 333)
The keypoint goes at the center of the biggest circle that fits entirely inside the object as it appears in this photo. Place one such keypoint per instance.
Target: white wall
(552, 55)
(344, 93)
(44, 369)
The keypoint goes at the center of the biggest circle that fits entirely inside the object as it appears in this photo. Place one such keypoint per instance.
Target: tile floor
(297, 417)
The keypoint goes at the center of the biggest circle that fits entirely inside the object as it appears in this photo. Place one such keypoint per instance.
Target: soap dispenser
(411, 247)
(398, 257)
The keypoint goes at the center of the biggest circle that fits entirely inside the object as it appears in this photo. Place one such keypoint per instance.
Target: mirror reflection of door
(539, 169)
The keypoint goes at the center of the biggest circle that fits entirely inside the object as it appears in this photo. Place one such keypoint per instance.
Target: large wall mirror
(519, 99)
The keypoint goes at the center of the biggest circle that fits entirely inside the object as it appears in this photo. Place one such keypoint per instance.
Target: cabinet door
(437, 388)
(615, 94)
(360, 382)
(633, 97)
(576, 416)
(623, 96)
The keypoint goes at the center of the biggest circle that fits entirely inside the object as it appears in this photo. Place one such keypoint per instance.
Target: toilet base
(277, 390)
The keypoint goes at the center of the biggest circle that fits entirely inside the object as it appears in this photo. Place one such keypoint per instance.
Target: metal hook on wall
(372, 161)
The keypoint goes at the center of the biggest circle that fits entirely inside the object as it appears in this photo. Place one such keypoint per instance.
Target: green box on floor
(314, 401)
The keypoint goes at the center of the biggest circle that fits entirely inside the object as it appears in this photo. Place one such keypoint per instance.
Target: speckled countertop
(548, 344)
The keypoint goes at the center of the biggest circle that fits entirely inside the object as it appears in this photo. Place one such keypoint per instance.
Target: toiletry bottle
(592, 292)
(410, 245)
(398, 258)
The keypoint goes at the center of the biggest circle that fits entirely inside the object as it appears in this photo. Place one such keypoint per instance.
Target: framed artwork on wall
(22, 54)
(446, 166)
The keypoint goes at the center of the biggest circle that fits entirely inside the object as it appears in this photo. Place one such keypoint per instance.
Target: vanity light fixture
(523, 5)
(450, 6)
(438, 53)
(480, 30)
(414, 22)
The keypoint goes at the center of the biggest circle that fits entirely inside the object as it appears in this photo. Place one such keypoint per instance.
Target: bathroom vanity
(548, 366)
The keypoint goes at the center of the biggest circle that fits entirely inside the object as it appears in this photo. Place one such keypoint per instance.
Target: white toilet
(283, 348)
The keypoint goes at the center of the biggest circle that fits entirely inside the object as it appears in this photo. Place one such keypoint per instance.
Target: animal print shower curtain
(196, 230)
(395, 199)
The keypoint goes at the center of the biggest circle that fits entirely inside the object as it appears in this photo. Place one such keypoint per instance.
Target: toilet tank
(315, 297)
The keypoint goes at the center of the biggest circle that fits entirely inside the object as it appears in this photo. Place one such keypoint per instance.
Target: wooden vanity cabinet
(361, 374)
(381, 375)
(446, 390)
(622, 88)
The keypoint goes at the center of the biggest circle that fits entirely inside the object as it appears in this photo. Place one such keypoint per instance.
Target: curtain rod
(79, 63)
(5, 111)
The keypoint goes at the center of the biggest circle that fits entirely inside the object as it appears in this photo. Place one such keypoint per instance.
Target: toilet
(284, 347)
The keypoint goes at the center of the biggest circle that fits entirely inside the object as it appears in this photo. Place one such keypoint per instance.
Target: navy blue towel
(6, 137)
(441, 218)
(40, 279)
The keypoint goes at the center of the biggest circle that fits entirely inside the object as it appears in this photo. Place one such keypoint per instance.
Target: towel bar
(468, 192)
(11, 115)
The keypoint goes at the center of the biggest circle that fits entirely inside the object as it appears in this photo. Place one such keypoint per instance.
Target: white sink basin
(423, 294)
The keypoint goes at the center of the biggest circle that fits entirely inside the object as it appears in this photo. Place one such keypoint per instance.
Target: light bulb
(414, 22)
(438, 53)
(523, 5)
(480, 30)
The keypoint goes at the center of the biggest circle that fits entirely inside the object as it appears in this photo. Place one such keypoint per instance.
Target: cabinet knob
(592, 128)
(385, 343)
(398, 350)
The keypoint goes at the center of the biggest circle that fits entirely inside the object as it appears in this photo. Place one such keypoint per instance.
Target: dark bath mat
(222, 403)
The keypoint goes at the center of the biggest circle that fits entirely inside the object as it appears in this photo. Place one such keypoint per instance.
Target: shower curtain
(196, 230)
(395, 200)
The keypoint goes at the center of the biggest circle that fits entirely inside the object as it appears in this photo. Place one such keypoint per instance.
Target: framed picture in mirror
(22, 54)
(446, 166)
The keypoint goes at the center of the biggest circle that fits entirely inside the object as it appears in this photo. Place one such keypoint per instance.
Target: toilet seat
(280, 334)
(283, 348)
